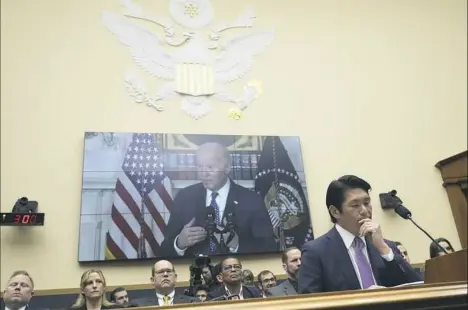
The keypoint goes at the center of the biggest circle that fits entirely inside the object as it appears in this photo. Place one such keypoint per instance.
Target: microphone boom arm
(440, 247)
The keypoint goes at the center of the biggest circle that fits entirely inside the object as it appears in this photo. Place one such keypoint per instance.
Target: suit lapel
(230, 201)
(288, 288)
(199, 200)
(343, 261)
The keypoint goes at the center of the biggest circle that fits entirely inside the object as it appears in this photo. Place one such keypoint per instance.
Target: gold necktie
(166, 300)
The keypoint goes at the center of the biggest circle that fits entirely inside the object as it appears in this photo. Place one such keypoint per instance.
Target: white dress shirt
(241, 292)
(221, 200)
(22, 308)
(348, 239)
(161, 298)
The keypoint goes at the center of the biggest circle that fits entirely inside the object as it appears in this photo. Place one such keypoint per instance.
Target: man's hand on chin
(372, 229)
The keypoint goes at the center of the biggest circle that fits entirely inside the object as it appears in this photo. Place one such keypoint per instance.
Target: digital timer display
(21, 219)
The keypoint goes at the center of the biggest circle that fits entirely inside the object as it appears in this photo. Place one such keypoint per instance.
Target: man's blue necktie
(217, 218)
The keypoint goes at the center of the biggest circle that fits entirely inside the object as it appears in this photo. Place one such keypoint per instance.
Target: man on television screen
(186, 235)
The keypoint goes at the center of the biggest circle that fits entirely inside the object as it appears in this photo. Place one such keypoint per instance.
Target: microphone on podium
(403, 212)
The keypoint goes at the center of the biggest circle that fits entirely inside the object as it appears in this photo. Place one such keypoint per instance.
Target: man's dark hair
(216, 271)
(264, 273)
(210, 268)
(202, 287)
(284, 256)
(434, 249)
(222, 262)
(337, 189)
(117, 290)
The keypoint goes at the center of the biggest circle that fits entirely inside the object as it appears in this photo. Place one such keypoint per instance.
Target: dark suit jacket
(248, 291)
(327, 267)
(2, 306)
(250, 216)
(283, 289)
(153, 300)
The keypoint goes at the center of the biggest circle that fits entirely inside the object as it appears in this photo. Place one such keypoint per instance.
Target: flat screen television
(159, 195)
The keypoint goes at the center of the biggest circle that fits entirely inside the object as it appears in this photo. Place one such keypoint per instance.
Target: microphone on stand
(230, 226)
(210, 223)
(210, 220)
(403, 212)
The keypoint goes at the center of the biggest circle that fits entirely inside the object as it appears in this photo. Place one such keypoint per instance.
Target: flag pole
(277, 202)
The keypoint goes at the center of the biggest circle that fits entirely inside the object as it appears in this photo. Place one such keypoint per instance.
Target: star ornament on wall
(200, 67)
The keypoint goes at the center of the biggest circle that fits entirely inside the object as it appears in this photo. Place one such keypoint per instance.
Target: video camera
(390, 200)
(200, 261)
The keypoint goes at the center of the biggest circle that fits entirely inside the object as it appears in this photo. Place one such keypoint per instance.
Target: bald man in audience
(18, 292)
(291, 259)
(163, 278)
(185, 234)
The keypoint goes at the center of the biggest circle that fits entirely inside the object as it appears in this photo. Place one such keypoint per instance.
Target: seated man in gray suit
(291, 262)
(163, 278)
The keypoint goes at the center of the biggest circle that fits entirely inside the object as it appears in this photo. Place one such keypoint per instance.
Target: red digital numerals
(25, 219)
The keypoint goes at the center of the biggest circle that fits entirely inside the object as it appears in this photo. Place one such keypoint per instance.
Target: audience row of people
(353, 255)
(227, 278)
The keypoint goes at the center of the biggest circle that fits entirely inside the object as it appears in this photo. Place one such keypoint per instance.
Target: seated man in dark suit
(185, 233)
(291, 259)
(18, 292)
(232, 288)
(353, 254)
(163, 278)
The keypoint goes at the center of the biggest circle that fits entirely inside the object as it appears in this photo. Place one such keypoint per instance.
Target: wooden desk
(432, 296)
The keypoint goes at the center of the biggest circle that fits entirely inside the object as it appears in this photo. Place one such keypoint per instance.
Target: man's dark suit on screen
(253, 224)
(327, 267)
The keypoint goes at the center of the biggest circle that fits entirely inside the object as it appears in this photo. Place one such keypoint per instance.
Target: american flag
(142, 202)
(274, 217)
(309, 235)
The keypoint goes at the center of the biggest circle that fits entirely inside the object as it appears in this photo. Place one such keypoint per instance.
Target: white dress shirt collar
(222, 192)
(161, 298)
(241, 293)
(348, 238)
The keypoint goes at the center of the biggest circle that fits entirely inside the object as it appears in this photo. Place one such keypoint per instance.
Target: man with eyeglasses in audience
(232, 287)
(18, 292)
(266, 280)
(163, 278)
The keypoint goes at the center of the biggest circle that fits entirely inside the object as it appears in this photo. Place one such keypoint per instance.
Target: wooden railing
(434, 296)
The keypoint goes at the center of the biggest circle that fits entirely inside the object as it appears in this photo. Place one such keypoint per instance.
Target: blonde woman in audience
(93, 292)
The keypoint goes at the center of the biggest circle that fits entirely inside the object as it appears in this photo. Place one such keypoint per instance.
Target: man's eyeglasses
(169, 272)
(236, 267)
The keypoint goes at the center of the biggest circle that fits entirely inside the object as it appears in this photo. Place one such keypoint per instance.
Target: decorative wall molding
(205, 60)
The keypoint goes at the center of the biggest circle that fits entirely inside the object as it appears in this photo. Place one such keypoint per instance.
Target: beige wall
(374, 88)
